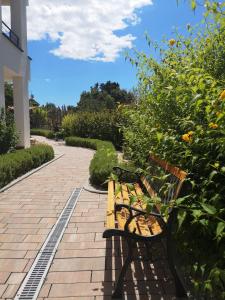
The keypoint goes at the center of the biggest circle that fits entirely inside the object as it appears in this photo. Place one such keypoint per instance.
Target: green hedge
(95, 125)
(15, 164)
(103, 161)
(43, 132)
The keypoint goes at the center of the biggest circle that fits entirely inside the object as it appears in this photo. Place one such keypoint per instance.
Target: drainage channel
(34, 280)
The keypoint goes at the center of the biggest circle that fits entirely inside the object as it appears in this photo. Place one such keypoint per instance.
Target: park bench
(130, 220)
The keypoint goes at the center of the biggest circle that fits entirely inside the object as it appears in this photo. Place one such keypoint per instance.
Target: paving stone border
(12, 183)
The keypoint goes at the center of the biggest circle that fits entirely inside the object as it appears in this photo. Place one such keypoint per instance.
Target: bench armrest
(134, 212)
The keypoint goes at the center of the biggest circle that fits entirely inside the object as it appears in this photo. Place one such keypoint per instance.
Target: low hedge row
(103, 161)
(94, 125)
(43, 132)
(15, 164)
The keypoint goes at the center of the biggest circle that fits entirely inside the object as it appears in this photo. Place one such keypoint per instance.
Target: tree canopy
(104, 96)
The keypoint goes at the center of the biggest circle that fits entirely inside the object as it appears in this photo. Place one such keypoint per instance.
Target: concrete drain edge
(34, 279)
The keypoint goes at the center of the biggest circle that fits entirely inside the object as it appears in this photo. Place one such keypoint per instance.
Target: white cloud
(85, 29)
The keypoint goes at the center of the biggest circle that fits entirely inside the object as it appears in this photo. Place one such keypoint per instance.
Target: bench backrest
(164, 180)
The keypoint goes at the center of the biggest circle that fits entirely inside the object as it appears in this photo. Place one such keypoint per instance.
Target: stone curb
(87, 187)
(28, 174)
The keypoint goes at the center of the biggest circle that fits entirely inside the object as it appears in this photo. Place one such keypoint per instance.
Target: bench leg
(119, 285)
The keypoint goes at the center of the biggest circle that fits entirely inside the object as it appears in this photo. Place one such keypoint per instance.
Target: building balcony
(10, 35)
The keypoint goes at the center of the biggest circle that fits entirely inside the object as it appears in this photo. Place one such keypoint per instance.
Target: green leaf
(118, 189)
(209, 208)
(133, 199)
(181, 217)
(130, 187)
(159, 136)
(220, 228)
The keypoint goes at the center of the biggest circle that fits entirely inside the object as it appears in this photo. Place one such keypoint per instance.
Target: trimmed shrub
(15, 164)
(103, 161)
(8, 136)
(98, 125)
(43, 132)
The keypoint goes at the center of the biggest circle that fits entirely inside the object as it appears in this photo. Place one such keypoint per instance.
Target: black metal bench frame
(132, 238)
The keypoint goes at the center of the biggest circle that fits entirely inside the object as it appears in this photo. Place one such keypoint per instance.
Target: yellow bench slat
(151, 221)
(110, 219)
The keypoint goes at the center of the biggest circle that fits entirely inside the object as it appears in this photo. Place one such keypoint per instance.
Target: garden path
(85, 264)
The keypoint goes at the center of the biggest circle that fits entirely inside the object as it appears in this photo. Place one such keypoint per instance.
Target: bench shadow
(145, 279)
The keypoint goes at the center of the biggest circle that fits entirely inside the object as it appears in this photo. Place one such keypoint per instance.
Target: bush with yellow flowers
(181, 118)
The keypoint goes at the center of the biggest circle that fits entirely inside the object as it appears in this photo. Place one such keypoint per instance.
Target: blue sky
(60, 79)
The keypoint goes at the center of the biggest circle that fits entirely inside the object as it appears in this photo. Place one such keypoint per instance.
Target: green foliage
(43, 132)
(181, 118)
(15, 164)
(38, 117)
(8, 136)
(104, 96)
(33, 102)
(100, 125)
(103, 161)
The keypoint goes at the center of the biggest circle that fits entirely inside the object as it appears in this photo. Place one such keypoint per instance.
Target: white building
(15, 65)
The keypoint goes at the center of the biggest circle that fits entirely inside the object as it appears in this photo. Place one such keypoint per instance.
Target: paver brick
(12, 254)
(3, 277)
(44, 292)
(12, 265)
(16, 278)
(76, 264)
(11, 238)
(19, 246)
(80, 289)
(78, 237)
(83, 245)
(2, 289)
(37, 238)
(80, 253)
(69, 277)
(11, 291)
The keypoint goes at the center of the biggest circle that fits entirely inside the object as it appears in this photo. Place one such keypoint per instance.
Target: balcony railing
(6, 30)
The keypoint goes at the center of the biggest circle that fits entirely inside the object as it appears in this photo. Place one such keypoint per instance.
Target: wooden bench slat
(148, 187)
(120, 215)
(169, 168)
(152, 222)
(110, 220)
(126, 200)
(140, 221)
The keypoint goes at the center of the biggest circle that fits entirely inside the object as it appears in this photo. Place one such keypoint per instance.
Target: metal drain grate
(33, 282)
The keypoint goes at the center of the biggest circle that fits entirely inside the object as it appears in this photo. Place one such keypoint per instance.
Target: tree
(33, 102)
(38, 117)
(104, 96)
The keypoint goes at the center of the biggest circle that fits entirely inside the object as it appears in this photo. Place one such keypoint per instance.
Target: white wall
(17, 65)
(2, 93)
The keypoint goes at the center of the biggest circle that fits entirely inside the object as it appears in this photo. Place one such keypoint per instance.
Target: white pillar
(21, 110)
(19, 21)
(2, 88)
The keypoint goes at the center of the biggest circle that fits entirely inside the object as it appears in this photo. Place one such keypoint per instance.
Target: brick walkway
(85, 264)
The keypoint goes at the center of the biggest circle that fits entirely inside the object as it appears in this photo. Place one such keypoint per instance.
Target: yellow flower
(190, 133)
(186, 137)
(172, 42)
(218, 114)
(213, 125)
(222, 95)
